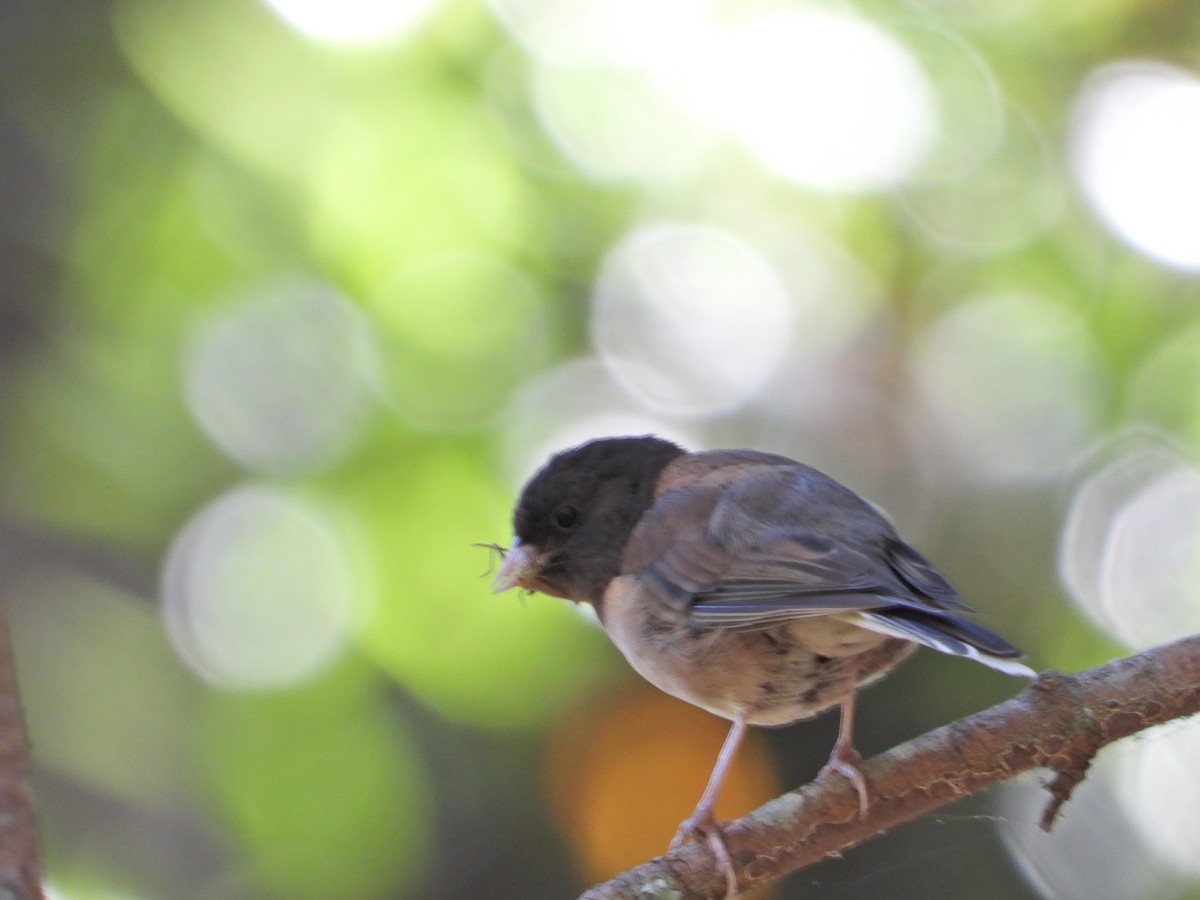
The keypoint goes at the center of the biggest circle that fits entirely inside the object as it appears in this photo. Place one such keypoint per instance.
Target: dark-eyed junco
(743, 582)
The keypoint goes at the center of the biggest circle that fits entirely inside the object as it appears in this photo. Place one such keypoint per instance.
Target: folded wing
(784, 543)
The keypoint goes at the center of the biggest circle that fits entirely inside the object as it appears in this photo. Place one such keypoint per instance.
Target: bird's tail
(947, 633)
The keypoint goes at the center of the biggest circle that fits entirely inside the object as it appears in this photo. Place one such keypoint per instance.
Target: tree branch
(19, 875)
(1059, 722)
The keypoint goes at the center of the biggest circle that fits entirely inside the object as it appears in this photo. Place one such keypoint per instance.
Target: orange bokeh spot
(623, 776)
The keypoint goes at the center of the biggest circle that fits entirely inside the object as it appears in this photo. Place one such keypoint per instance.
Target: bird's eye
(566, 516)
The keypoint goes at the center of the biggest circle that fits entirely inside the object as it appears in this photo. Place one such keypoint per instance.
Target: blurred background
(295, 294)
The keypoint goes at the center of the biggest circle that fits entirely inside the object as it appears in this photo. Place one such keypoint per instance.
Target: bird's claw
(702, 824)
(844, 761)
(694, 827)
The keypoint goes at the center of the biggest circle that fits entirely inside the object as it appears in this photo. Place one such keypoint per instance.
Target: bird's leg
(702, 822)
(845, 759)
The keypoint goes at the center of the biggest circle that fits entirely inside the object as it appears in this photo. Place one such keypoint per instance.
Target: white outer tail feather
(950, 645)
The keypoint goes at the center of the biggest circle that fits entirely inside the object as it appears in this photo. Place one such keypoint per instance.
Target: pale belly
(778, 676)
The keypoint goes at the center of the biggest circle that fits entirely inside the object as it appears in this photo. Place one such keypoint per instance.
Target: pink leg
(702, 822)
(844, 759)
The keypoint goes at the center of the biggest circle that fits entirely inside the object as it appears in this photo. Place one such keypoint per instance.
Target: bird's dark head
(576, 513)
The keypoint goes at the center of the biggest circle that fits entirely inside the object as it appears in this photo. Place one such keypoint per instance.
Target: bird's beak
(520, 562)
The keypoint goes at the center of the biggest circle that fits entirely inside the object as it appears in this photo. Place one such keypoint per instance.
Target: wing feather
(784, 543)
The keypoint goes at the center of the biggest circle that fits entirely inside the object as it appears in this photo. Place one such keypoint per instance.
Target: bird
(743, 582)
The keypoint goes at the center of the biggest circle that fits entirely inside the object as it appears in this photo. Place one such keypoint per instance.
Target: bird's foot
(703, 825)
(844, 761)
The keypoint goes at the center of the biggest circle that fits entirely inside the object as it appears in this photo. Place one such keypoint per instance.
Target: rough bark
(19, 871)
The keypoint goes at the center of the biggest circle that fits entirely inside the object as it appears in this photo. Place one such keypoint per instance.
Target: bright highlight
(1130, 552)
(258, 591)
(1136, 153)
(349, 21)
(823, 99)
(283, 380)
(690, 320)
(826, 100)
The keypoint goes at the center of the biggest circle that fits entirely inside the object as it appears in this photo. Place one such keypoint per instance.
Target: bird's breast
(778, 675)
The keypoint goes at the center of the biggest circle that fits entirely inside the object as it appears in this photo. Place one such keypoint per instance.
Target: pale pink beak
(520, 563)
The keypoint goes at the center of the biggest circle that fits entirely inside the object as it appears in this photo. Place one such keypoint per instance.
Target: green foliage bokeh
(971, 343)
